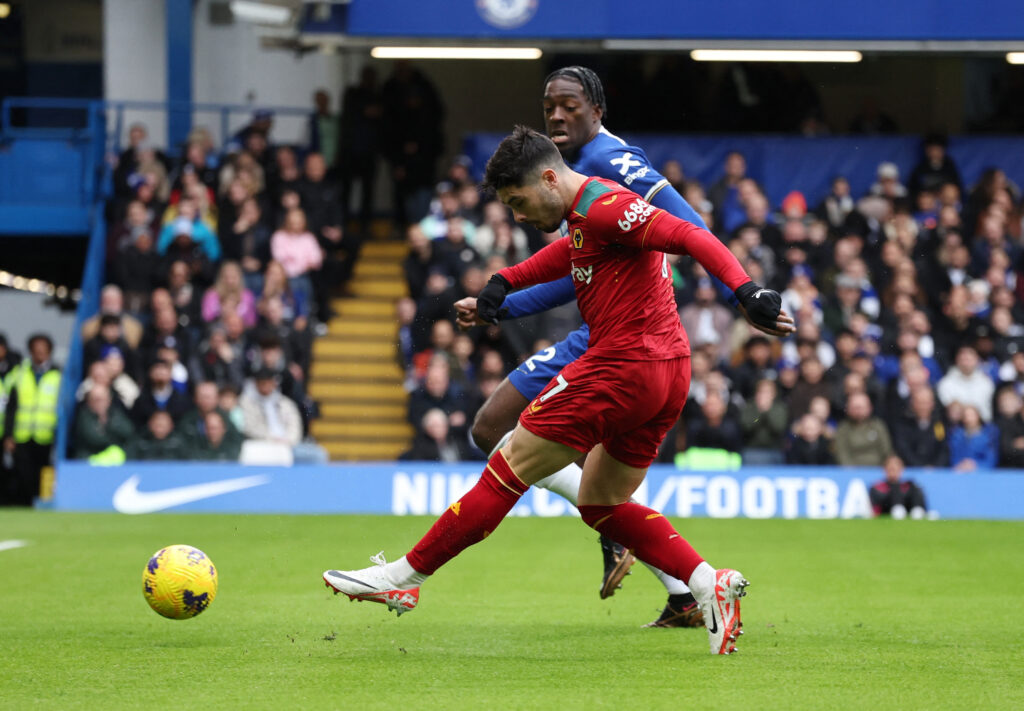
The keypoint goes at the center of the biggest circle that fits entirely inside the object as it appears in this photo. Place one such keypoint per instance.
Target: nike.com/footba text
(721, 496)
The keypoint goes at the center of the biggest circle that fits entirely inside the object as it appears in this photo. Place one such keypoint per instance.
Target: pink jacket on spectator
(246, 307)
(297, 253)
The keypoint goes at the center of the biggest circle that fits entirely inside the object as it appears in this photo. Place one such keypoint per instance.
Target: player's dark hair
(518, 157)
(588, 81)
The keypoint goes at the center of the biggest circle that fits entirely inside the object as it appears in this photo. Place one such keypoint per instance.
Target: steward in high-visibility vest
(32, 395)
(30, 420)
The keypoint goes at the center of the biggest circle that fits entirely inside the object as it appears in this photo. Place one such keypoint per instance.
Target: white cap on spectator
(888, 170)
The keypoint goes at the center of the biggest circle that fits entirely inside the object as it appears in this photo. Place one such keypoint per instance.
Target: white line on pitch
(12, 544)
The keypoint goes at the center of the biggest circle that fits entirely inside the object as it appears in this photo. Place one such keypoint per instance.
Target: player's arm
(630, 163)
(548, 264)
(527, 302)
(647, 182)
(642, 225)
(668, 199)
(540, 297)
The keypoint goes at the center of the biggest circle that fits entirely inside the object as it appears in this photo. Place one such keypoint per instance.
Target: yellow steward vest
(36, 417)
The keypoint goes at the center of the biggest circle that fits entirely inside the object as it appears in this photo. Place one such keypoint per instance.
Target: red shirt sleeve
(548, 264)
(639, 224)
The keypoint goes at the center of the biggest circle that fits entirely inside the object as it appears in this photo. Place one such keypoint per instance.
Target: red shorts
(626, 405)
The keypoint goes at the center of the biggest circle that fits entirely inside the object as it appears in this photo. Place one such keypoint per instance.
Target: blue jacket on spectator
(887, 368)
(982, 446)
(201, 234)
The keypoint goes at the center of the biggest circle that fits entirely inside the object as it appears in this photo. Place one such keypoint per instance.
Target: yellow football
(179, 582)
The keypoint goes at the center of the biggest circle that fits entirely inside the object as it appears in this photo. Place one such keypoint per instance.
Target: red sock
(470, 519)
(648, 534)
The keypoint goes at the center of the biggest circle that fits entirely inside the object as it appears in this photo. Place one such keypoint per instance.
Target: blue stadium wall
(784, 163)
(907, 20)
(410, 488)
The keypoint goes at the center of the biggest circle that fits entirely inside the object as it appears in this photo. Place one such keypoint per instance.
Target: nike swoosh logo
(611, 200)
(534, 408)
(339, 574)
(129, 500)
(714, 622)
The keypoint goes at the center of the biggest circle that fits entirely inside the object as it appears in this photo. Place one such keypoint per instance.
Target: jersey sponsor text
(638, 211)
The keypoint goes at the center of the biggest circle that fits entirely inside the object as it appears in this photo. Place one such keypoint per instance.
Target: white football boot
(721, 610)
(374, 585)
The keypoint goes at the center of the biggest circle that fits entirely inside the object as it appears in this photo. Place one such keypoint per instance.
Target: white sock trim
(565, 482)
(402, 575)
(702, 581)
(674, 586)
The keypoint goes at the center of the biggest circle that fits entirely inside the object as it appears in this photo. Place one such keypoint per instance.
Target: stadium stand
(885, 284)
(902, 267)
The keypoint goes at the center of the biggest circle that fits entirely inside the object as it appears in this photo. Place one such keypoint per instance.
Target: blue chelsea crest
(506, 14)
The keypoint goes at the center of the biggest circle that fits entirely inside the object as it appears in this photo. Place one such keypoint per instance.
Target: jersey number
(543, 357)
(562, 385)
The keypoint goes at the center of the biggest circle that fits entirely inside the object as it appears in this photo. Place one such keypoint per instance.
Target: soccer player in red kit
(616, 402)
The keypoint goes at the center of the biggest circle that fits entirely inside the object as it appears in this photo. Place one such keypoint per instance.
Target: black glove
(490, 299)
(762, 305)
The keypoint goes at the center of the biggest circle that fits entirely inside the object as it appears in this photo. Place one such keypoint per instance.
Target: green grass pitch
(841, 614)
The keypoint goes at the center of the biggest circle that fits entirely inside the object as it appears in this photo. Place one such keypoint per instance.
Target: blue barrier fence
(65, 116)
(51, 177)
(784, 163)
(54, 151)
(88, 304)
(408, 488)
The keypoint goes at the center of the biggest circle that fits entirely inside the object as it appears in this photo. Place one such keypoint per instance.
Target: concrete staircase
(355, 374)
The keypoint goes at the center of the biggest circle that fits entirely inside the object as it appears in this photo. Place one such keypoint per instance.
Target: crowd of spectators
(186, 379)
(222, 265)
(907, 299)
(908, 304)
(221, 268)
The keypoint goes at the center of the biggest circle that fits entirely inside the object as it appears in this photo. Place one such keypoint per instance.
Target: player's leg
(500, 413)
(498, 416)
(613, 470)
(606, 507)
(509, 473)
(681, 609)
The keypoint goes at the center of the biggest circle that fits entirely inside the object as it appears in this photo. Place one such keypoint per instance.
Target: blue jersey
(606, 156)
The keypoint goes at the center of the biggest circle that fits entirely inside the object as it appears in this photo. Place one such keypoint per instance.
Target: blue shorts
(537, 371)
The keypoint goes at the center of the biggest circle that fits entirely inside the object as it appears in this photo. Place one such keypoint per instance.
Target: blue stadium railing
(50, 177)
(54, 156)
(88, 304)
(55, 178)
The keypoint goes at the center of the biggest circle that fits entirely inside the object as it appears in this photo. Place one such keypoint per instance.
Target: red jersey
(623, 281)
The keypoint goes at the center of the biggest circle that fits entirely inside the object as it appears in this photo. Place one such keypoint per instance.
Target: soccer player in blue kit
(574, 107)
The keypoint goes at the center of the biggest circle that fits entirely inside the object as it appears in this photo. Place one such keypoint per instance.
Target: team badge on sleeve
(577, 238)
